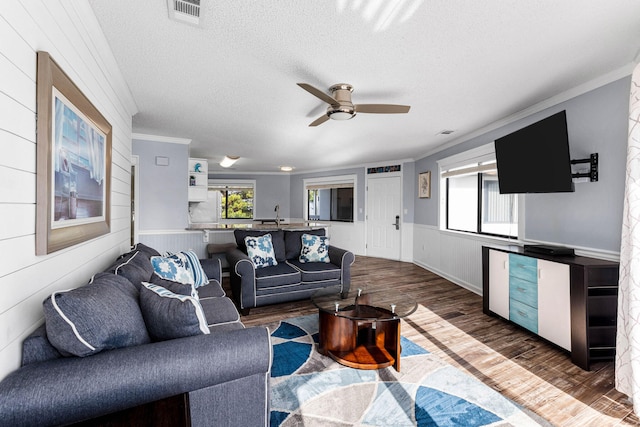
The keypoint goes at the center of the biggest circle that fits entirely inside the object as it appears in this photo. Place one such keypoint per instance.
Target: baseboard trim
(452, 279)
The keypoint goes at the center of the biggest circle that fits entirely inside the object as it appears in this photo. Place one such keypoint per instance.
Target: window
(236, 198)
(330, 199)
(472, 201)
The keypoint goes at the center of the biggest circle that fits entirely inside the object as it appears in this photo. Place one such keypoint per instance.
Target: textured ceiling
(229, 85)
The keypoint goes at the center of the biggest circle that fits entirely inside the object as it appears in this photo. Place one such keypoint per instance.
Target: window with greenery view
(236, 200)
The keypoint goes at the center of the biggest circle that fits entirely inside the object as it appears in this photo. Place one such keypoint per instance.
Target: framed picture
(73, 163)
(424, 185)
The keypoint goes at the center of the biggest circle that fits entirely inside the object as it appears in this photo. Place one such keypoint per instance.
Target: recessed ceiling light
(445, 132)
(286, 168)
(228, 161)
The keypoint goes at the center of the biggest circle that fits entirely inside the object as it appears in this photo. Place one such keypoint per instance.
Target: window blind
(470, 170)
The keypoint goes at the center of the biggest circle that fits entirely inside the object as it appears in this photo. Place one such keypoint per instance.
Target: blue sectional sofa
(77, 368)
(291, 279)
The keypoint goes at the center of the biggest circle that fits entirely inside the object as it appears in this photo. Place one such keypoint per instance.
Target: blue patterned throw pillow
(172, 268)
(260, 250)
(190, 261)
(314, 249)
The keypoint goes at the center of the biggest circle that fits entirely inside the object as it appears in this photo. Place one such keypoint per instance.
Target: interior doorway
(135, 161)
(384, 219)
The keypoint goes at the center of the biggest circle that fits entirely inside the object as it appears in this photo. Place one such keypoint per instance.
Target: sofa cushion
(260, 251)
(293, 241)
(225, 327)
(314, 249)
(213, 289)
(149, 252)
(316, 271)
(101, 315)
(278, 275)
(175, 287)
(277, 238)
(192, 264)
(172, 268)
(219, 311)
(134, 266)
(37, 348)
(169, 315)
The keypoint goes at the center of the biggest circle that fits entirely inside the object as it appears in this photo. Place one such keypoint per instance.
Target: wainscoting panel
(343, 235)
(175, 241)
(456, 257)
(461, 257)
(348, 235)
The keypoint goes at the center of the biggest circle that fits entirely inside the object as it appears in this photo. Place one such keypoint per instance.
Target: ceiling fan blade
(382, 108)
(320, 120)
(318, 93)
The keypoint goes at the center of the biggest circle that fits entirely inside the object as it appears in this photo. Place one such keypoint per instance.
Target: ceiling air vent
(185, 11)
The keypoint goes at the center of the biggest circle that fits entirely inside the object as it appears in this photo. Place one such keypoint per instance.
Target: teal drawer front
(523, 315)
(523, 291)
(524, 267)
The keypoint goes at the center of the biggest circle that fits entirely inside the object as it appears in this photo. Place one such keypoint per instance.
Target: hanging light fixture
(228, 161)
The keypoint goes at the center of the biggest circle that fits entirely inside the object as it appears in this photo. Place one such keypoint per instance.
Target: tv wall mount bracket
(593, 168)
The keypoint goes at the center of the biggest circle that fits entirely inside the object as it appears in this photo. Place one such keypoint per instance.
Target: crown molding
(158, 138)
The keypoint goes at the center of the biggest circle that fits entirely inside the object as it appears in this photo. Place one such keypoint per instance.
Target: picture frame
(73, 155)
(424, 185)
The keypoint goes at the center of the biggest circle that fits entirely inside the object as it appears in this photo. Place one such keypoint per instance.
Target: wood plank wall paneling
(18, 153)
(69, 31)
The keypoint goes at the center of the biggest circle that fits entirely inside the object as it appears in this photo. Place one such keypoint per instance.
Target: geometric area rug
(309, 389)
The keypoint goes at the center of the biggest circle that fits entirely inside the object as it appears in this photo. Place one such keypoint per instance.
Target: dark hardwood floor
(449, 322)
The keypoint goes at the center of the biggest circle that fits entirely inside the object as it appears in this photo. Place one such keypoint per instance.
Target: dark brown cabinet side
(594, 304)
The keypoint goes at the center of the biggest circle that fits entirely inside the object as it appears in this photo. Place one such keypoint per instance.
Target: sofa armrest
(344, 259)
(212, 268)
(243, 279)
(72, 389)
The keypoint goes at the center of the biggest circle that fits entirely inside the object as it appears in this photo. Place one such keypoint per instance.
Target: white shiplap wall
(68, 30)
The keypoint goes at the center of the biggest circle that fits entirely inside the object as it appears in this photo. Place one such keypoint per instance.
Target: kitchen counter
(306, 225)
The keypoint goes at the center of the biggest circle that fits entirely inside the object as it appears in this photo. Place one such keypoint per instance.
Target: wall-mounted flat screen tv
(535, 159)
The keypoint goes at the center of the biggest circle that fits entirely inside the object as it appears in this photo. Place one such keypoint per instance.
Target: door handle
(397, 223)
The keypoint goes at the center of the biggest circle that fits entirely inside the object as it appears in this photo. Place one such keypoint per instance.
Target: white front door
(384, 206)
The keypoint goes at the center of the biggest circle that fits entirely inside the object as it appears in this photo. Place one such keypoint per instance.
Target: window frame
(478, 155)
(217, 183)
(338, 181)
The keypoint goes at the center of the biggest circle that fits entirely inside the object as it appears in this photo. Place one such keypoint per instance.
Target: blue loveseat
(222, 373)
(290, 279)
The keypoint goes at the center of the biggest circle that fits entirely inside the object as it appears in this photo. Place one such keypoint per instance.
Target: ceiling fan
(340, 105)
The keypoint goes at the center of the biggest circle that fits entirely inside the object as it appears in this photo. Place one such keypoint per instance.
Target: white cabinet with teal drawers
(567, 300)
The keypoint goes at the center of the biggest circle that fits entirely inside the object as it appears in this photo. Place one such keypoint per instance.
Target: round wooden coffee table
(362, 330)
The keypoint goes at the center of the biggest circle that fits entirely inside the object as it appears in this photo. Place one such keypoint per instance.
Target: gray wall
(271, 190)
(409, 190)
(163, 203)
(592, 216)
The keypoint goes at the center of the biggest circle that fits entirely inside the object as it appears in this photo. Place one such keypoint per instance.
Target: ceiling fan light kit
(340, 114)
(340, 105)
